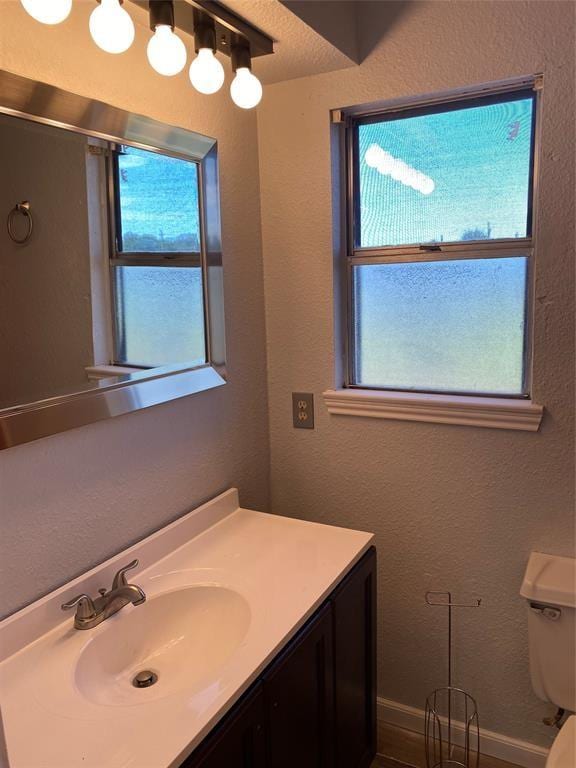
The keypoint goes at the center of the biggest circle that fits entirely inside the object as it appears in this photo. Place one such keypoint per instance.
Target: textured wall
(452, 507)
(70, 501)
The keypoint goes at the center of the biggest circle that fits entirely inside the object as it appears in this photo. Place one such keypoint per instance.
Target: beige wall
(70, 501)
(452, 507)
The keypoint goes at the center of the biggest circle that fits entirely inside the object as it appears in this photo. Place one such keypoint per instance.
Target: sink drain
(144, 679)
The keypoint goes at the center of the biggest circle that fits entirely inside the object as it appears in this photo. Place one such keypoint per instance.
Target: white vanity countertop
(270, 574)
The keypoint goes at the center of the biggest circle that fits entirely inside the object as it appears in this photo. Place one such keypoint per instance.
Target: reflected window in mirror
(112, 284)
(156, 262)
(111, 274)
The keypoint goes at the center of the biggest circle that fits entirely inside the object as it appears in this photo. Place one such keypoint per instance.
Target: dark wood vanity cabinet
(238, 742)
(315, 705)
(299, 696)
(354, 617)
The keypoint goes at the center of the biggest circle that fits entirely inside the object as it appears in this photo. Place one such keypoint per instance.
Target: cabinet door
(299, 699)
(354, 606)
(239, 741)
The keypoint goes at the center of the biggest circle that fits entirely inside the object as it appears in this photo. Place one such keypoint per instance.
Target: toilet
(549, 587)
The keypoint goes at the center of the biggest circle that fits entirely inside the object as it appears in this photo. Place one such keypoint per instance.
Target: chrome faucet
(90, 613)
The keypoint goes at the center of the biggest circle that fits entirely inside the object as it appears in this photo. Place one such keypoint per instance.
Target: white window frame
(355, 399)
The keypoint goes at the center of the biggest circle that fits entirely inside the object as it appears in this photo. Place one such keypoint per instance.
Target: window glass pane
(462, 174)
(441, 325)
(158, 202)
(159, 315)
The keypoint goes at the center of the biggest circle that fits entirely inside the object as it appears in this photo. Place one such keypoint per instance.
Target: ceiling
(301, 49)
(311, 36)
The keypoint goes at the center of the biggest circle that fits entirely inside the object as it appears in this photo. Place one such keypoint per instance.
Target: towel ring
(24, 209)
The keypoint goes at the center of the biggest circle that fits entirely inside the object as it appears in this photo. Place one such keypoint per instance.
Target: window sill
(96, 372)
(493, 412)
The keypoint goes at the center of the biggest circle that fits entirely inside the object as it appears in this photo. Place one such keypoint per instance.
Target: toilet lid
(563, 752)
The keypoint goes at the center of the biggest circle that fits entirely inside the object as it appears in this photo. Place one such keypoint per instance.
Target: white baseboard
(495, 744)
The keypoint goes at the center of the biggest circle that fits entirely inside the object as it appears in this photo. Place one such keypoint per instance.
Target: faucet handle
(120, 578)
(85, 609)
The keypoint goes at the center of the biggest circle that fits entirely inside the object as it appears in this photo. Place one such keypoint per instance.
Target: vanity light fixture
(246, 89)
(111, 27)
(48, 11)
(166, 51)
(206, 72)
(216, 29)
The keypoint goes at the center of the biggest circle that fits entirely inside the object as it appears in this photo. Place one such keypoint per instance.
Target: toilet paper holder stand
(451, 726)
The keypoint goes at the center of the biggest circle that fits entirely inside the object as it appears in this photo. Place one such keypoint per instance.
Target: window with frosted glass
(441, 326)
(451, 175)
(440, 207)
(156, 266)
(160, 318)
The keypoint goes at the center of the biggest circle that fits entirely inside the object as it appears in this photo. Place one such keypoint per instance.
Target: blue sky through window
(158, 202)
(458, 175)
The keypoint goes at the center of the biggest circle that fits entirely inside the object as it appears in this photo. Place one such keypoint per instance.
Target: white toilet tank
(549, 586)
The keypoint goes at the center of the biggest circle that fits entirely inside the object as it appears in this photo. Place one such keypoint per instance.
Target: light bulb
(166, 51)
(246, 89)
(111, 27)
(206, 72)
(48, 11)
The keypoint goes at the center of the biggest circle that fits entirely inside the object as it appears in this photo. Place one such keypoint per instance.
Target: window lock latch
(430, 248)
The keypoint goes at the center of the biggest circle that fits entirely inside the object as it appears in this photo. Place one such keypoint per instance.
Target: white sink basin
(184, 637)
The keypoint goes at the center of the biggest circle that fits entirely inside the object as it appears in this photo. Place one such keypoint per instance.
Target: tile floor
(398, 748)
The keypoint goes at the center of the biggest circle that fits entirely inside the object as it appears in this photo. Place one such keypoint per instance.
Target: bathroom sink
(226, 588)
(177, 640)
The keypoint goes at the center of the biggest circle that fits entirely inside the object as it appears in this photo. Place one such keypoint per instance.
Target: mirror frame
(42, 103)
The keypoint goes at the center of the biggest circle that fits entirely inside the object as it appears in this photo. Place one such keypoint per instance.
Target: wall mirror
(111, 295)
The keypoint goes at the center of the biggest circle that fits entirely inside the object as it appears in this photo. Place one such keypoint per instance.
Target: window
(156, 260)
(440, 246)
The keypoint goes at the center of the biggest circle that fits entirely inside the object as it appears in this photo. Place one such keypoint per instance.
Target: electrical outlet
(303, 410)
